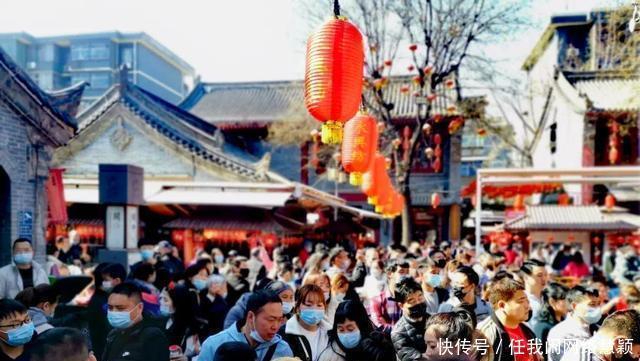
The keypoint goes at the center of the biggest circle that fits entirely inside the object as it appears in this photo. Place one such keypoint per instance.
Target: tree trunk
(406, 225)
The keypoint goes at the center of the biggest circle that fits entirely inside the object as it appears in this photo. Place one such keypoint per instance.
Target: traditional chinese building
(31, 128)
(199, 189)
(586, 95)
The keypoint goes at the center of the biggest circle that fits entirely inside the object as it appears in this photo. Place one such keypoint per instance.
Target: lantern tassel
(332, 132)
(355, 179)
(336, 8)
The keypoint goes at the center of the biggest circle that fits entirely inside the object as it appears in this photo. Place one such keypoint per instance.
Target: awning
(553, 217)
(240, 218)
(266, 195)
(204, 196)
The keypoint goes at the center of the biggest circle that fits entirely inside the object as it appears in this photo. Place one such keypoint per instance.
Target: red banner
(55, 195)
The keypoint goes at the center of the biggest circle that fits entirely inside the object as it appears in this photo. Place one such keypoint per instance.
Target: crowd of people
(429, 302)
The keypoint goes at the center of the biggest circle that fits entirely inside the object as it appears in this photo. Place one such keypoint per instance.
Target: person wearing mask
(432, 277)
(506, 330)
(305, 332)
(214, 305)
(385, 311)
(464, 285)
(257, 270)
(42, 301)
(535, 277)
(617, 340)
(580, 323)
(168, 261)
(218, 259)
(196, 277)
(554, 310)
(576, 267)
(350, 325)
(179, 305)
(62, 343)
(258, 329)
(282, 289)
(16, 331)
(339, 261)
(376, 282)
(339, 289)
(237, 283)
(23, 272)
(108, 275)
(408, 334)
(147, 250)
(132, 336)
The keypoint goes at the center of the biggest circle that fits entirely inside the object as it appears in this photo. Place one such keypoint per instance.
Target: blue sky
(227, 40)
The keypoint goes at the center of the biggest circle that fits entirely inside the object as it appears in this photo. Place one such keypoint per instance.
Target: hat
(236, 351)
(164, 244)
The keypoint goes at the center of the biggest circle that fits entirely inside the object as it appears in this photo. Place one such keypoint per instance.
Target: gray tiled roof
(554, 217)
(265, 102)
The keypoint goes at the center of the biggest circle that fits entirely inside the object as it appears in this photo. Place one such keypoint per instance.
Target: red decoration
(455, 124)
(518, 203)
(333, 76)
(481, 132)
(428, 70)
(450, 83)
(437, 165)
(388, 62)
(372, 179)
(431, 97)
(411, 68)
(55, 196)
(435, 200)
(359, 146)
(413, 47)
(609, 202)
(563, 199)
(437, 139)
(404, 89)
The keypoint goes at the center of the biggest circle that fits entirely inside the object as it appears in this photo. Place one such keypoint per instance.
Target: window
(89, 52)
(80, 52)
(46, 53)
(99, 51)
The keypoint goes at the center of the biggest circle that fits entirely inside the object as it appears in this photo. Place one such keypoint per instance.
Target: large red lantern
(609, 202)
(372, 179)
(333, 76)
(359, 146)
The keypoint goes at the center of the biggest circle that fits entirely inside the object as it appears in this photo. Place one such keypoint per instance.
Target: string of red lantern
(333, 75)
(359, 146)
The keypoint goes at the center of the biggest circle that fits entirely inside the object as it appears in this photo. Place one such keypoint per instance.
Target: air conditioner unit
(31, 65)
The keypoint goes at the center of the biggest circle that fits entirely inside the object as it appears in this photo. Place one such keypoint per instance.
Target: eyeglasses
(18, 324)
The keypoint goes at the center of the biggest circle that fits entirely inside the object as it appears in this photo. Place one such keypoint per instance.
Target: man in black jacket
(506, 329)
(408, 334)
(133, 338)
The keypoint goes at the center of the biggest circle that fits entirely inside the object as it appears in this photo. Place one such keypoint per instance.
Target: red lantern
(371, 180)
(481, 132)
(333, 76)
(435, 200)
(437, 165)
(609, 202)
(596, 241)
(359, 146)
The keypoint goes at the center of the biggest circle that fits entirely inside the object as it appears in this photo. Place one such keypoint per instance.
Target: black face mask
(418, 311)
(458, 292)
(244, 272)
(441, 263)
(530, 315)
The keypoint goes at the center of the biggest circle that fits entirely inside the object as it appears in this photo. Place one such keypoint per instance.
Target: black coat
(142, 342)
(408, 339)
(214, 312)
(236, 287)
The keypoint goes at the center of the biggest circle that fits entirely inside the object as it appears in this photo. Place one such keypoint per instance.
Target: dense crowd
(315, 303)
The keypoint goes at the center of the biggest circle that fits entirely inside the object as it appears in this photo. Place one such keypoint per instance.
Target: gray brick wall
(14, 148)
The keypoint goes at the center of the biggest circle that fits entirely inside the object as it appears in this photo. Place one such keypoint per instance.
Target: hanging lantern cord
(336, 8)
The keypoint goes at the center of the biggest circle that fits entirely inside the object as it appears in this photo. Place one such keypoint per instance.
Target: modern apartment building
(57, 62)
